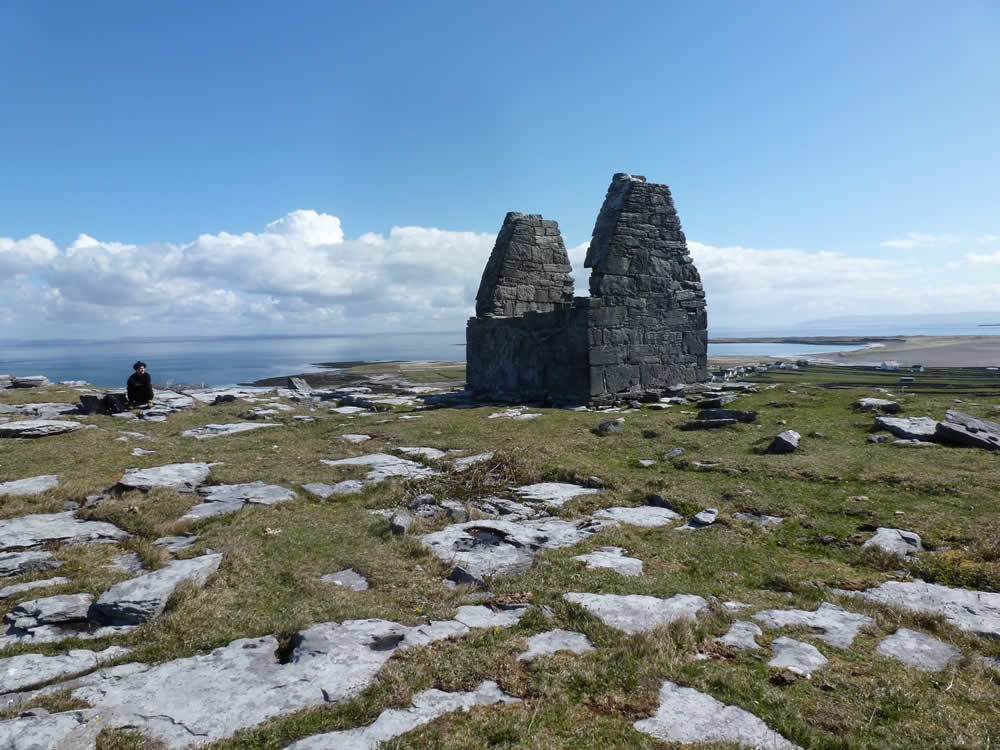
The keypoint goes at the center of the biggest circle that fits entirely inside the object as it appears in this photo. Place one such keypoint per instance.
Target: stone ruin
(642, 329)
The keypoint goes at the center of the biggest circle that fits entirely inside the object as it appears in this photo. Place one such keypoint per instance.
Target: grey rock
(878, 404)
(919, 650)
(976, 612)
(427, 706)
(895, 541)
(467, 462)
(181, 477)
(716, 402)
(646, 462)
(504, 508)
(674, 453)
(880, 438)
(646, 515)
(686, 715)
(480, 616)
(914, 444)
(836, 626)
(961, 428)
(16, 563)
(127, 562)
(29, 381)
(208, 395)
(456, 511)
(300, 385)
(614, 558)
(50, 610)
(611, 427)
(36, 428)
(349, 578)
(431, 453)
(48, 528)
(67, 730)
(385, 466)
(347, 487)
(175, 543)
(908, 428)
(492, 548)
(19, 588)
(142, 452)
(209, 431)
(553, 641)
(96, 677)
(758, 518)
(634, 613)
(708, 424)
(741, 636)
(796, 656)
(701, 520)
(785, 442)
(139, 599)
(228, 498)
(30, 485)
(553, 493)
(356, 438)
(400, 523)
(25, 670)
(740, 416)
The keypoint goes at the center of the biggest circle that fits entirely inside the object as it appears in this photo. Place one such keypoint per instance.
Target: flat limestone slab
(796, 656)
(208, 395)
(919, 650)
(36, 428)
(16, 563)
(385, 466)
(138, 599)
(614, 558)
(229, 498)
(488, 548)
(467, 462)
(67, 730)
(31, 585)
(348, 578)
(646, 515)
(25, 670)
(50, 610)
(634, 613)
(208, 697)
(181, 477)
(976, 612)
(553, 493)
(46, 528)
(837, 626)
(431, 453)
(741, 636)
(208, 431)
(686, 715)
(427, 706)
(909, 428)
(29, 486)
(347, 487)
(553, 641)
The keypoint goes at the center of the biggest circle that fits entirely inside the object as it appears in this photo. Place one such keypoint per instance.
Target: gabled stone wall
(643, 328)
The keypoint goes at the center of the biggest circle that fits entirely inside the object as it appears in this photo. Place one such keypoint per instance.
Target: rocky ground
(774, 564)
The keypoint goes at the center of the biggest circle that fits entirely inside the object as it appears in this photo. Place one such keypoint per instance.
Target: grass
(833, 492)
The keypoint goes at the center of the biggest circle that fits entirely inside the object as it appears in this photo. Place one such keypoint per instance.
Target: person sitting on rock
(139, 386)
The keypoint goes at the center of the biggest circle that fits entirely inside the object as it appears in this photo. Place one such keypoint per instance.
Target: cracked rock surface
(45, 528)
(634, 613)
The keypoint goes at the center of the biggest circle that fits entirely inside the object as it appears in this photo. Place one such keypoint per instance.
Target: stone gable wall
(643, 328)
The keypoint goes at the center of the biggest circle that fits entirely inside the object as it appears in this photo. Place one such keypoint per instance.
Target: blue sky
(825, 158)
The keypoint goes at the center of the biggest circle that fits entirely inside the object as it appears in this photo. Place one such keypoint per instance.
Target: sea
(228, 360)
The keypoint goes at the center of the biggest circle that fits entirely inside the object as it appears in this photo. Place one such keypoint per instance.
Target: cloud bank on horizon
(302, 275)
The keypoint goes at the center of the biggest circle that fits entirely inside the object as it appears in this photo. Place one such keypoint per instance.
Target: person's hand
(150, 404)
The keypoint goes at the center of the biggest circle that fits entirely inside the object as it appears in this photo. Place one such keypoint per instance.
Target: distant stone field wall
(643, 328)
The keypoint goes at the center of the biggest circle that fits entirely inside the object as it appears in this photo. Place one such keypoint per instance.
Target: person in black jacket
(139, 386)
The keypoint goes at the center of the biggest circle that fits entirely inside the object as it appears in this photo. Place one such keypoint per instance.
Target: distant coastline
(810, 340)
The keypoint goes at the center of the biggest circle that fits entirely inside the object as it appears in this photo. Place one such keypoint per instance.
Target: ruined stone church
(643, 328)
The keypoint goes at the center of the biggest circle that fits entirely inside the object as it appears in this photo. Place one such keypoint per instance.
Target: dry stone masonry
(643, 328)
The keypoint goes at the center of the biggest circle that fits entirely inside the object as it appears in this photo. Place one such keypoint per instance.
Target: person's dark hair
(138, 364)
